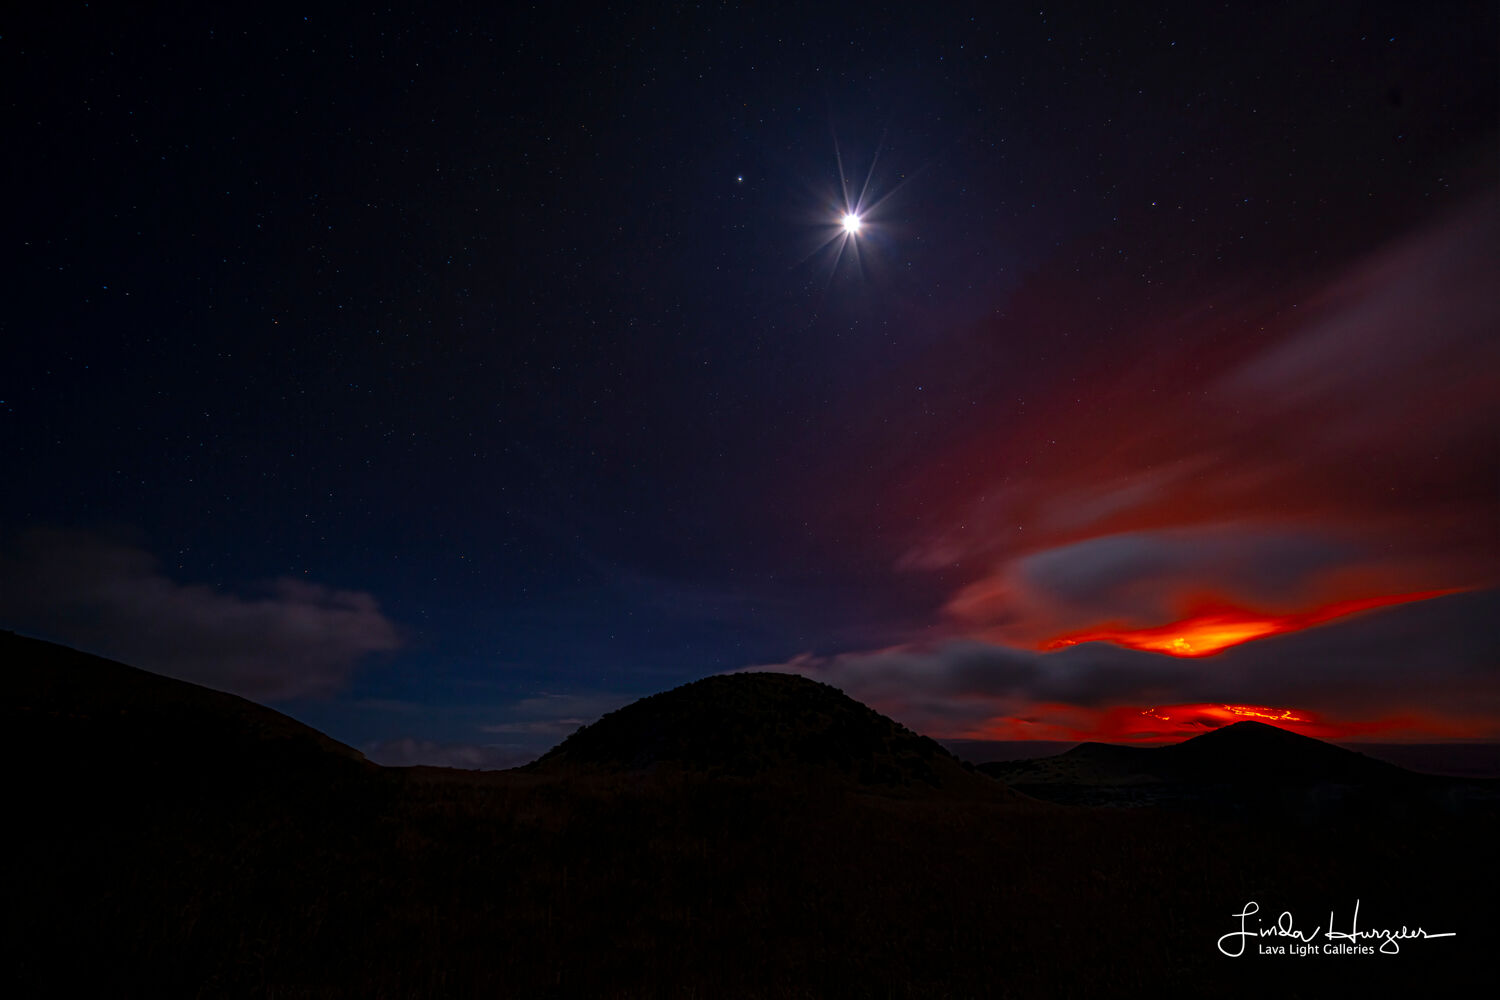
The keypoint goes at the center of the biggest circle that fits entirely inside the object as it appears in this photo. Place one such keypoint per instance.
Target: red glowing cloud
(1212, 629)
(1413, 670)
(1272, 500)
(1316, 445)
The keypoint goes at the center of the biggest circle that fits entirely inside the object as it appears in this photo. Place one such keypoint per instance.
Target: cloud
(1405, 327)
(1286, 448)
(410, 752)
(292, 639)
(1435, 663)
(555, 716)
(1145, 577)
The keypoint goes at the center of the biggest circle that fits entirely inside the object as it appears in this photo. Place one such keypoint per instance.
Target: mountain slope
(95, 718)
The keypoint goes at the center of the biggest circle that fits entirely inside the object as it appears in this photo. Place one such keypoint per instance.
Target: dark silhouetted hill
(100, 721)
(1242, 753)
(763, 725)
(1245, 768)
(172, 841)
(1257, 752)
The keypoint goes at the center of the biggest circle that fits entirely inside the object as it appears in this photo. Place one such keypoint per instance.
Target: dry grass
(426, 883)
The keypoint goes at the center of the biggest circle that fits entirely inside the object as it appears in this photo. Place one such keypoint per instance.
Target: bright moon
(851, 223)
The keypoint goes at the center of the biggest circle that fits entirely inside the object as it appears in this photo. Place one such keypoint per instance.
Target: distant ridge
(1249, 768)
(763, 724)
(1243, 753)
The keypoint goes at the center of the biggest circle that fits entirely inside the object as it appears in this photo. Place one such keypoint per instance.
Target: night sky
(446, 377)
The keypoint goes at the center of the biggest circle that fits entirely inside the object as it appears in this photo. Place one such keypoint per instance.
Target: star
(851, 223)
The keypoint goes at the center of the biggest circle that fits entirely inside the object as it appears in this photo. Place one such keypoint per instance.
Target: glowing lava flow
(1229, 713)
(1212, 630)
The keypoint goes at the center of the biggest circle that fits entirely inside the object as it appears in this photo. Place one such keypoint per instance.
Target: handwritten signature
(1285, 927)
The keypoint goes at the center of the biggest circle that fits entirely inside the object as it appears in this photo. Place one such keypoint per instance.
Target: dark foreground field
(268, 863)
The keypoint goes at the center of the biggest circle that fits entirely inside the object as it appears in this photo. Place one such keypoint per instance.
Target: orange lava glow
(1217, 714)
(1269, 715)
(1214, 628)
(1172, 723)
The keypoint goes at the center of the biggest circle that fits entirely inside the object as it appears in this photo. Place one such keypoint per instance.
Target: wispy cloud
(1334, 443)
(408, 752)
(289, 639)
(546, 719)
